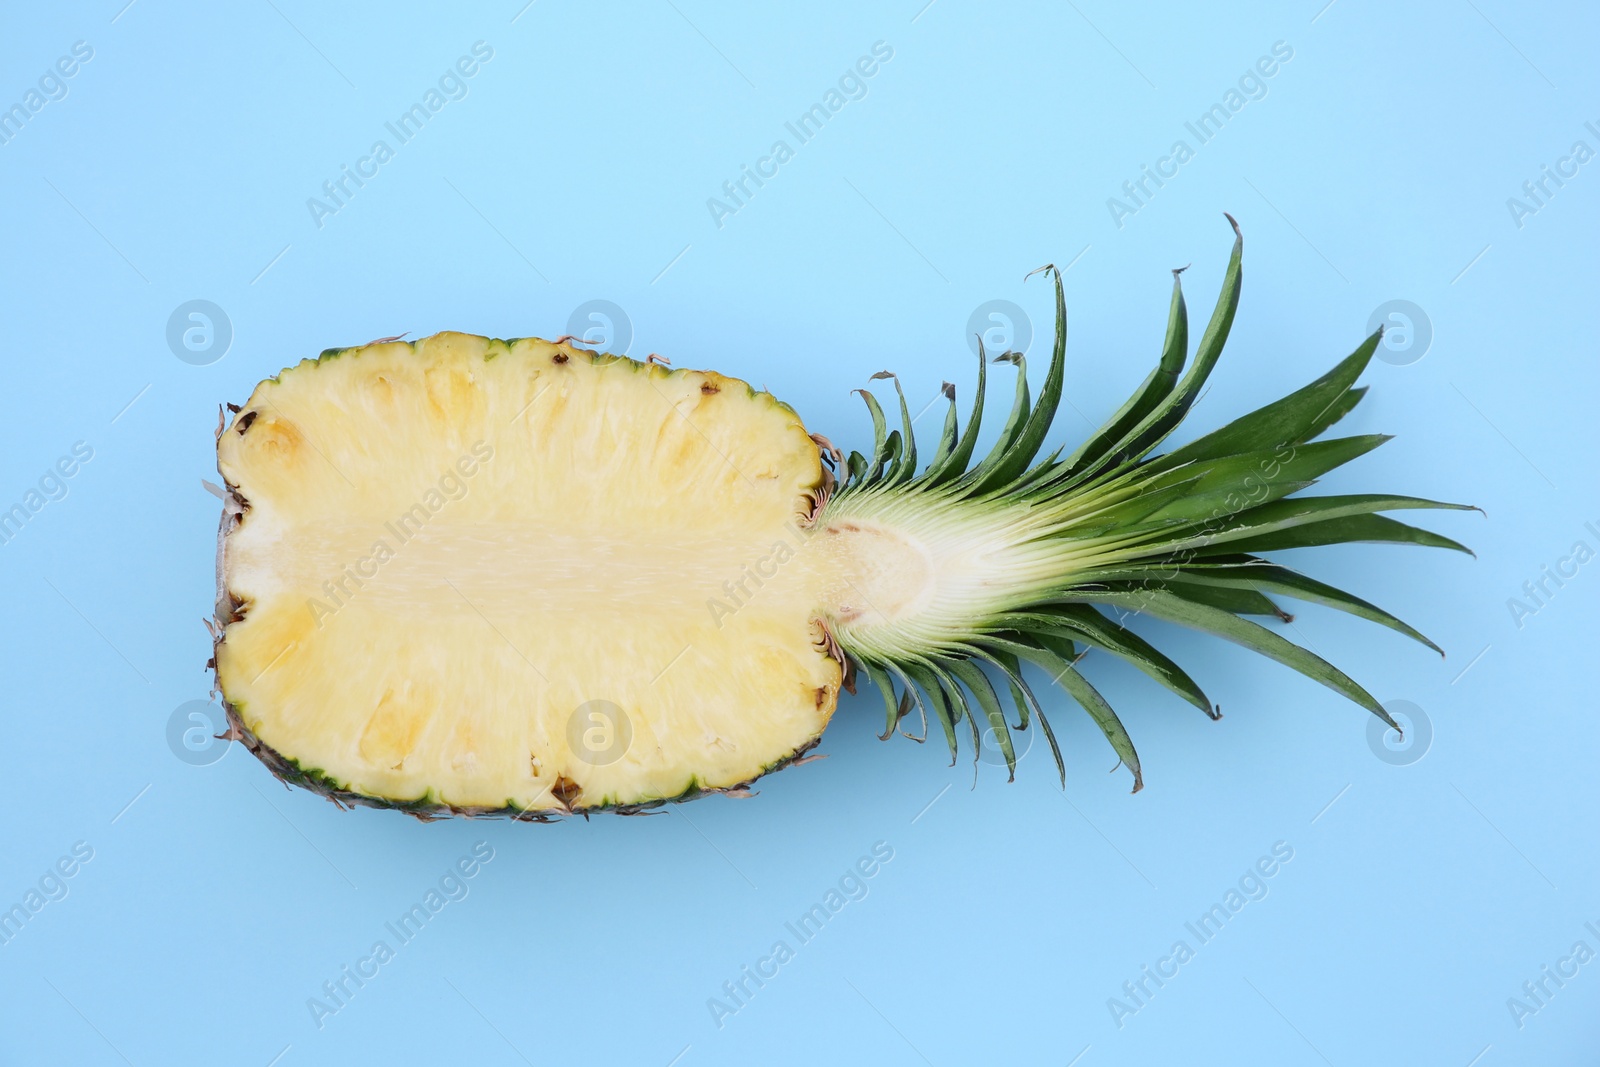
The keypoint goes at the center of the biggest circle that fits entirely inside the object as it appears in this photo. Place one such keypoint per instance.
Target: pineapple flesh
(474, 576)
(473, 572)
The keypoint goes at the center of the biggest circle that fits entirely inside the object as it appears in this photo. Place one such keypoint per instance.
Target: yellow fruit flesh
(483, 574)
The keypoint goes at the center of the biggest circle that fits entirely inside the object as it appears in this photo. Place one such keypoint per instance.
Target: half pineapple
(474, 576)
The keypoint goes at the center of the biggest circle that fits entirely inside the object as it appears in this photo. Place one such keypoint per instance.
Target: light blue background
(578, 167)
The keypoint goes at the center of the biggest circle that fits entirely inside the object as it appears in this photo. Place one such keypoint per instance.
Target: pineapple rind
(427, 808)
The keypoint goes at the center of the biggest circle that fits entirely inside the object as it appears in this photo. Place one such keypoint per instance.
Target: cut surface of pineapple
(516, 575)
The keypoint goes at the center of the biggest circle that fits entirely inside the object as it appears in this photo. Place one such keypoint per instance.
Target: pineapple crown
(1178, 536)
